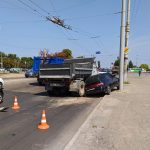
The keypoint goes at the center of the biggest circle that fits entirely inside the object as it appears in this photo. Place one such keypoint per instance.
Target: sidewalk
(120, 122)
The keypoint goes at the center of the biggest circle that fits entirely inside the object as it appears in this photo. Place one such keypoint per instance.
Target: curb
(73, 139)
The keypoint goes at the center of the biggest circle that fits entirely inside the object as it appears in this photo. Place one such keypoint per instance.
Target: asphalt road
(65, 115)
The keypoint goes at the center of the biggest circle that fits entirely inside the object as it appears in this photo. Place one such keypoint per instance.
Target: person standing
(140, 72)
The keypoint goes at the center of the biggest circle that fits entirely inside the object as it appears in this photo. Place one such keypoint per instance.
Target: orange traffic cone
(43, 124)
(16, 105)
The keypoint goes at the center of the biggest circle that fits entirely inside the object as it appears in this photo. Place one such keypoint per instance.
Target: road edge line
(73, 139)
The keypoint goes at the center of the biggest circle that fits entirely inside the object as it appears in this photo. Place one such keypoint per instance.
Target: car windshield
(92, 79)
(30, 70)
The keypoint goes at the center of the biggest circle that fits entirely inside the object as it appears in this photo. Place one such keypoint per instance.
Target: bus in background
(136, 70)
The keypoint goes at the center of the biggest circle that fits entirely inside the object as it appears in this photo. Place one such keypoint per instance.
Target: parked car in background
(2, 69)
(101, 83)
(30, 73)
(136, 70)
(15, 70)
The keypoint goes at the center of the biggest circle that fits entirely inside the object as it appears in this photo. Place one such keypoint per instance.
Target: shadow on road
(42, 94)
(68, 94)
(34, 84)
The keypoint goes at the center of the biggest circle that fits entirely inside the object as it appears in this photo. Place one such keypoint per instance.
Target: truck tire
(81, 89)
(1, 96)
(40, 81)
(49, 93)
(1, 85)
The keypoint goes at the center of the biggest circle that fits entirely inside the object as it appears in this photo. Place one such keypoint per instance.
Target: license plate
(54, 84)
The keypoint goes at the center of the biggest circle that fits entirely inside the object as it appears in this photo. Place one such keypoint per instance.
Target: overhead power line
(34, 10)
(53, 19)
(39, 7)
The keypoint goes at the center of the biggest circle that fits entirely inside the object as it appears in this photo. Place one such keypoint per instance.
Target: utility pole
(122, 44)
(126, 43)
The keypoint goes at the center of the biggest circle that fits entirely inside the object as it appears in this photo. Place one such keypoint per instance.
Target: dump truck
(37, 61)
(69, 75)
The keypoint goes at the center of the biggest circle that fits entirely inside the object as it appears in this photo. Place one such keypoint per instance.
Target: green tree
(12, 56)
(130, 64)
(144, 66)
(3, 54)
(8, 63)
(11, 61)
(117, 62)
(26, 62)
(68, 53)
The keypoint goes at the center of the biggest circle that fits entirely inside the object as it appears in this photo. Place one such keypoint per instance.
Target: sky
(95, 25)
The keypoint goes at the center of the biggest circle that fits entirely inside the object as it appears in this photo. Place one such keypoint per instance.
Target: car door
(106, 79)
(114, 80)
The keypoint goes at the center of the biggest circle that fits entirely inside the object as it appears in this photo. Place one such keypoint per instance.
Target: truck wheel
(1, 96)
(49, 93)
(40, 83)
(1, 85)
(82, 89)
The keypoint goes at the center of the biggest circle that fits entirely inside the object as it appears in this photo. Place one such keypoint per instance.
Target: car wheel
(118, 87)
(108, 90)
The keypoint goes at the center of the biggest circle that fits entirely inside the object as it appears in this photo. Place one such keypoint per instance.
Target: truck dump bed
(71, 68)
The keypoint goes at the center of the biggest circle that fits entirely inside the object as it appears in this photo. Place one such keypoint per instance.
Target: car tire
(118, 87)
(108, 90)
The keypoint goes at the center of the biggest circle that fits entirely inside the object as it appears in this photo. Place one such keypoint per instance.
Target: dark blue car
(30, 73)
(101, 83)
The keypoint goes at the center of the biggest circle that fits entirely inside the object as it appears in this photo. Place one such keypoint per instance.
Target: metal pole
(126, 43)
(122, 44)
